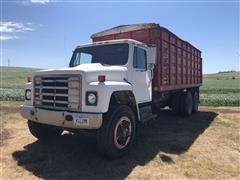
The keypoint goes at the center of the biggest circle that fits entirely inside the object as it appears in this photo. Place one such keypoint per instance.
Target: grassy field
(203, 146)
(222, 89)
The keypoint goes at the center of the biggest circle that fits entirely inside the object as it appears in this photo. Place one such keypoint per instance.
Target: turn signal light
(101, 78)
(29, 79)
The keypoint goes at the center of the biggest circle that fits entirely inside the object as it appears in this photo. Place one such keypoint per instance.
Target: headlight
(28, 94)
(91, 98)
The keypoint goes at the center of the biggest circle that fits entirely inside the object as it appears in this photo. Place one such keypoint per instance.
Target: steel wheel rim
(122, 132)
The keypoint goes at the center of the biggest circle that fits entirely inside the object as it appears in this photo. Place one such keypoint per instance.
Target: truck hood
(90, 71)
(97, 67)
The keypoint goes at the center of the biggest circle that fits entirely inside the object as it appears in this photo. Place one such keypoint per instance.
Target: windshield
(111, 54)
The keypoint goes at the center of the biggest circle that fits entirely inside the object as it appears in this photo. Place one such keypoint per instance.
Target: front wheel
(117, 132)
(43, 131)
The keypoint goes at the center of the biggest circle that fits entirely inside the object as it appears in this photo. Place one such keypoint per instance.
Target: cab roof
(112, 42)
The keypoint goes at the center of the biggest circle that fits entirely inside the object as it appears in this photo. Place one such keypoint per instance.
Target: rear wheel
(117, 132)
(195, 102)
(187, 104)
(175, 103)
(155, 108)
(43, 131)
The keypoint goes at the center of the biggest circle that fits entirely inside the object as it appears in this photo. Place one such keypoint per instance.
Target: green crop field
(12, 80)
(221, 89)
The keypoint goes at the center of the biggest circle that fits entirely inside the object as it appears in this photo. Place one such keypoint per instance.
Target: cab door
(141, 76)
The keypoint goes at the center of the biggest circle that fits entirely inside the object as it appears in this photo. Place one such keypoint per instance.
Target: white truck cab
(103, 88)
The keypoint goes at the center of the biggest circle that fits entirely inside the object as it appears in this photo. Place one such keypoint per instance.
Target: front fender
(104, 90)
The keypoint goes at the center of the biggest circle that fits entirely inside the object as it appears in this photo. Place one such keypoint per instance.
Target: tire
(175, 103)
(187, 104)
(155, 108)
(43, 132)
(117, 132)
(195, 102)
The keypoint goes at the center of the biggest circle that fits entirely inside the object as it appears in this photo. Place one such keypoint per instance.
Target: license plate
(81, 121)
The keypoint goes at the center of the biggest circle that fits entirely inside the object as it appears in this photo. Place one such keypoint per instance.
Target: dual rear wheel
(185, 103)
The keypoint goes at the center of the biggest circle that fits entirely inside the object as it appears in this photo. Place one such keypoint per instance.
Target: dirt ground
(204, 146)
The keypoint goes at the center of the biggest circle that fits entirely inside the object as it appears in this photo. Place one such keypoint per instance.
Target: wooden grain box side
(179, 64)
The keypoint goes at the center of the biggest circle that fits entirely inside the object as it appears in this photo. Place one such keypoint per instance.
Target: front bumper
(58, 118)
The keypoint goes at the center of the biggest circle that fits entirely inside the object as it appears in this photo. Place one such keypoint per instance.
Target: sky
(43, 33)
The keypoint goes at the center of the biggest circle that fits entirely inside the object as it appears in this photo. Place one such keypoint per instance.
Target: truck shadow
(76, 157)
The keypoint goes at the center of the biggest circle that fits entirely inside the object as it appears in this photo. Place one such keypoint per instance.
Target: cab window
(139, 58)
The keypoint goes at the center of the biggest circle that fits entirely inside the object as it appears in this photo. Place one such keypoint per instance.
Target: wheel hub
(122, 132)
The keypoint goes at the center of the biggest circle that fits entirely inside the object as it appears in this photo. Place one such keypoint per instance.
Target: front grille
(57, 92)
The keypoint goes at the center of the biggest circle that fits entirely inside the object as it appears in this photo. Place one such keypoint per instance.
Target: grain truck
(114, 83)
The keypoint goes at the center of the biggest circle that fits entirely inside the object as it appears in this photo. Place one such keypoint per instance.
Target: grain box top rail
(134, 27)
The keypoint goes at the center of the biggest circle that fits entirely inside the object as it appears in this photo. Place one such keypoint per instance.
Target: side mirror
(151, 55)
